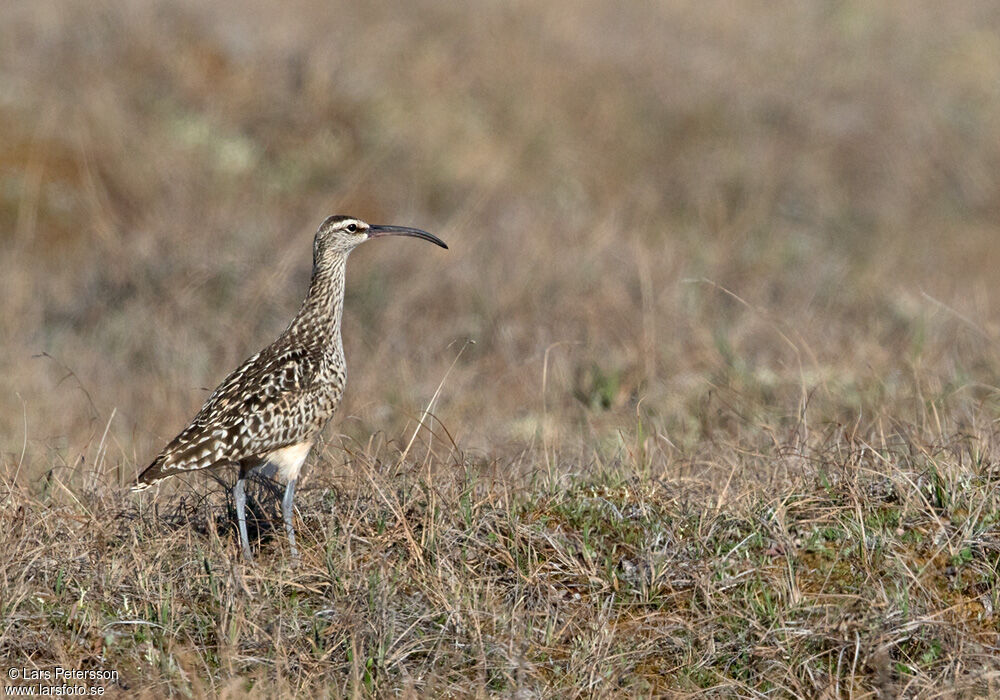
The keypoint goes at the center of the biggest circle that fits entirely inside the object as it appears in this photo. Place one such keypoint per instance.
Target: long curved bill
(376, 231)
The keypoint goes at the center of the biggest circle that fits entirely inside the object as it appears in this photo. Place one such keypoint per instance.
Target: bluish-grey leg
(286, 510)
(240, 497)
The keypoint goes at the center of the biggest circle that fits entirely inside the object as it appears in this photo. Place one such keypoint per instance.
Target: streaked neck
(324, 304)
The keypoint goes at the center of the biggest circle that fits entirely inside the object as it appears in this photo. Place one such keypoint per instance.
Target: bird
(269, 411)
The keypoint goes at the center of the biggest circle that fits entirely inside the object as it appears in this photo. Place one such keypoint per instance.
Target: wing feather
(261, 406)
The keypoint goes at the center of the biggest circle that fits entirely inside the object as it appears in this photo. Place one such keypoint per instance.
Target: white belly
(289, 460)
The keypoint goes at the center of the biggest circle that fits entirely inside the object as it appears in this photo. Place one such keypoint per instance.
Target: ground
(701, 400)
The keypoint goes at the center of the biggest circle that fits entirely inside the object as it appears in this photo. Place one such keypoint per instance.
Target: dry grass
(729, 423)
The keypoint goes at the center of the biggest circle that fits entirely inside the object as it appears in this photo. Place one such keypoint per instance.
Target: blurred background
(696, 220)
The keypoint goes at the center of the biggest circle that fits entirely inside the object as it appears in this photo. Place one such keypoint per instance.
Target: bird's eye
(352, 227)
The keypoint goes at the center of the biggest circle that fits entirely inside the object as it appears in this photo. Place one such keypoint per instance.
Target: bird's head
(342, 234)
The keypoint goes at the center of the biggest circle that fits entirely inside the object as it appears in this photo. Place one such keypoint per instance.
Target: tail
(180, 458)
(150, 476)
